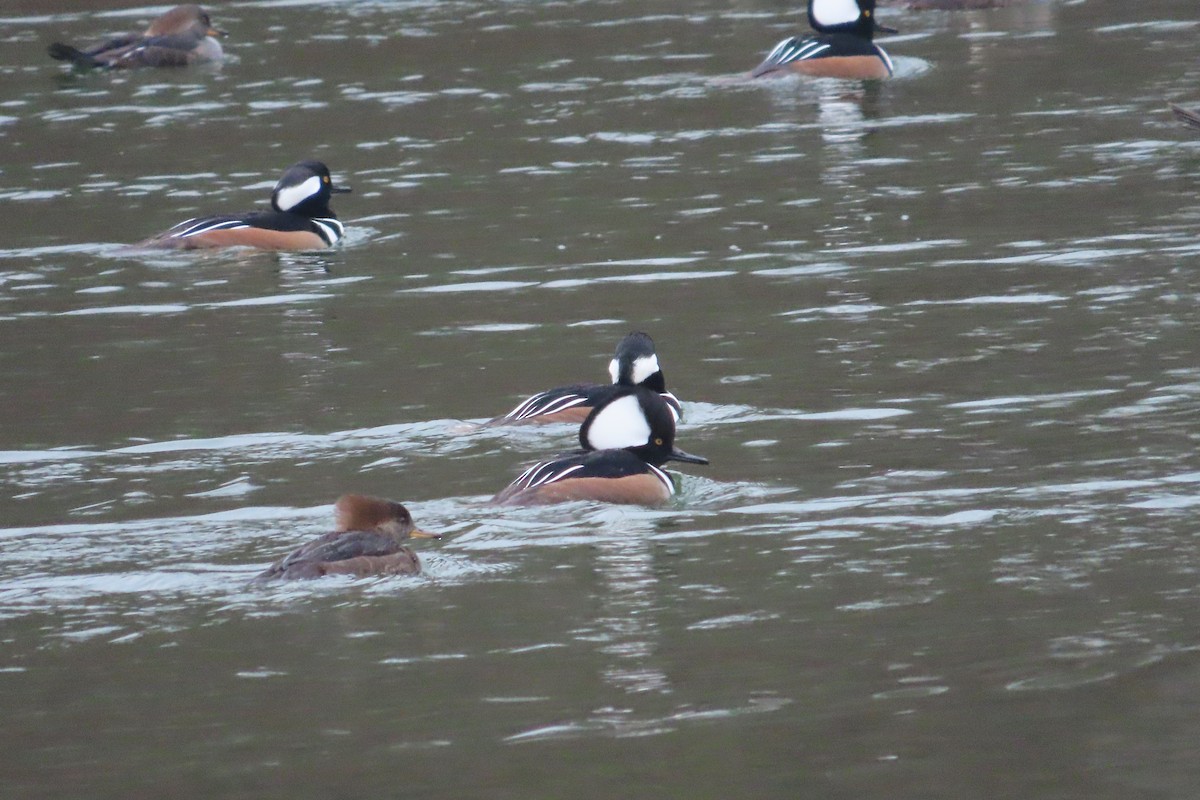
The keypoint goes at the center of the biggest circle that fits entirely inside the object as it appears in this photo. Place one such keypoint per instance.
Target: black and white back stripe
(794, 49)
(544, 403)
(194, 226)
(545, 472)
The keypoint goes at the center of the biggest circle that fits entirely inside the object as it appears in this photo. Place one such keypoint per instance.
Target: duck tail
(65, 52)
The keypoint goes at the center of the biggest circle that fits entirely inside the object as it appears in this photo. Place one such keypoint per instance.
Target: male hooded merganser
(842, 48)
(369, 540)
(1190, 118)
(184, 35)
(635, 363)
(301, 219)
(625, 441)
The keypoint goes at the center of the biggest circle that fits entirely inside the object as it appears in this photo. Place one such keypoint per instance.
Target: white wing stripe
(556, 476)
(561, 404)
(541, 403)
(205, 227)
(810, 50)
(542, 473)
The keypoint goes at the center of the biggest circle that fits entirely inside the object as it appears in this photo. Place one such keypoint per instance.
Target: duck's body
(607, 476)
(624, 443)
(369, 540)
(1186, 116)
(843, 46)
(182, 36)
(300, 219)
(634, 363)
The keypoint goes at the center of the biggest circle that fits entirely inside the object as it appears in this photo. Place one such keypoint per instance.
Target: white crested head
(644, 367)
(288, 197)
(620, 424)
(834, 12)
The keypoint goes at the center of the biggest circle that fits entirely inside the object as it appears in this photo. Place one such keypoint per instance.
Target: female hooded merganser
(184, 35)
(1189, 118)
(369, 540)
(625, 441)
(635, 363)
(301, 219)
(842, 48)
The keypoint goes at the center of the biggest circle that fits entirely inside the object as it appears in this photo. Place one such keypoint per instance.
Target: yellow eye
(325, 179)
(658, 442)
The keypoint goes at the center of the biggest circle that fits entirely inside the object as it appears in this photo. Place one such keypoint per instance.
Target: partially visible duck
(1186, 116)
(843, 47)
(625, 442)
(635, 363)
(369, 539)
(300, 219)
(184, 35)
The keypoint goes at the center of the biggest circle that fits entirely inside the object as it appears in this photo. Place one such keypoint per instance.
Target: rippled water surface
(937, 337)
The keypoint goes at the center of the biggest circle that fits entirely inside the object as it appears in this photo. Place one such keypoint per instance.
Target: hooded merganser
(1189, 118)
(635, 363)
(625, 441)
(369, 540)
(301, 219)
(842, 48)
(184, 35)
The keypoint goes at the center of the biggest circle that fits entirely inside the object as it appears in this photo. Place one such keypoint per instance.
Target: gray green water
(937, 337)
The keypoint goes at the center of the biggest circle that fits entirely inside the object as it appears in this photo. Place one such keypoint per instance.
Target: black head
(637, 419)
(305, 188)
(845, 16)
(636, 363)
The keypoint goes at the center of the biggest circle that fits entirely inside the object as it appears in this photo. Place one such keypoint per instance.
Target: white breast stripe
(664, 477)
(331, 230)
(671, 401)
(614, 369)
(886, 59)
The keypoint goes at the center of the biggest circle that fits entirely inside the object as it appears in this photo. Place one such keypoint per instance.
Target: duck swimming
(182, 36)
(300, 218)
(625, 441)
(368, 539)
(635, 363)
(843, 46)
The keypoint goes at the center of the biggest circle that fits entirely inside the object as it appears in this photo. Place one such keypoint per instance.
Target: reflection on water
(935, 335)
